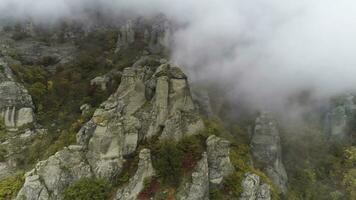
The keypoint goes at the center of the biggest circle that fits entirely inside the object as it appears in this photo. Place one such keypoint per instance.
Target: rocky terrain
(103, 113)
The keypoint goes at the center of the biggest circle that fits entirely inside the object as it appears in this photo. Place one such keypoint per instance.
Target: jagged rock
(218, 150)
(253, 189)
(154, 33)
(50, 177)
(136, 183)
(266, 149)
(198, 188)
(125, 119)
(16, 107)
(339, 118)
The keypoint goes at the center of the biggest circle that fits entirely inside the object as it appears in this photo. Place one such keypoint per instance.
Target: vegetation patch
(87, 189)
(174, 160)
(10, 186)
(151, 187)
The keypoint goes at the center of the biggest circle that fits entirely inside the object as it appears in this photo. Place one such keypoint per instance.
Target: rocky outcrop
(150, 100)
(50, 177)
(16, 107)
(198, 188)
(266, 149)
(218, 150)
(136, 183)
(338, 119)
(254, 189)
(155, 33)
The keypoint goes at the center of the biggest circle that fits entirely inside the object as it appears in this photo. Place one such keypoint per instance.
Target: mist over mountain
(177, 99)
(266, 51)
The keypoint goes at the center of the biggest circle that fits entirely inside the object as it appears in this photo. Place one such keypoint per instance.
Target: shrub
(87, 189)
(167, 161)
(172, 160)
(10, 186)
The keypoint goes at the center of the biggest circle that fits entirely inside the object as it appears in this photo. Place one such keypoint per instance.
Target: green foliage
(216, 194)
(10, 186)
(167, 161)
(319, 174)
(349, 178)
(173, 159)
(87, 189)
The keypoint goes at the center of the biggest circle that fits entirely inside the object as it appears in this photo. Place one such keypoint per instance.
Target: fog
(263, 51)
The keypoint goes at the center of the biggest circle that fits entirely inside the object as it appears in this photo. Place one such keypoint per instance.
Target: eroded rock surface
(16, 106)
(198, 188)
(154, 32)
(266, 149)
(136, 183)
(119, 125)
(50, 177)
(218, 150)
(254, 189)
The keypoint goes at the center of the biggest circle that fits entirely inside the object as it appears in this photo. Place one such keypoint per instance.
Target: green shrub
(167, 161)
(172, 160)
(87, 189)
(10, 186)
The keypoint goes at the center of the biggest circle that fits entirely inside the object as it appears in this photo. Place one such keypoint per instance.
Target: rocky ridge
(146, 104)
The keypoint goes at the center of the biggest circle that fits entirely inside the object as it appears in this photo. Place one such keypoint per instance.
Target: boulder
(218, 150)
(136, 183)
(266, 150)
(101, 81)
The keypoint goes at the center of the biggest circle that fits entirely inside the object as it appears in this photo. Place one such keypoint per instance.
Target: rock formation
(155, 33)
(136, 183)
(339, 118)
(266, 149)
(198, 188)
(50, 177)
(253, 189)
(117, 127)
(16, 107)
(218, 150)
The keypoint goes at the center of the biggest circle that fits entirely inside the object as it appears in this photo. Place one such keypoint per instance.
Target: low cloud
(265, 51)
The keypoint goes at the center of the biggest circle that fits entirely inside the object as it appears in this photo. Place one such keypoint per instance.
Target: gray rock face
(154, 33)
(119, 124)
(198, 189)
(136, 183)
(339, 118)
(16, 107)
(50, 177)
(218, 150)
(266, 149)
(253, 189)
